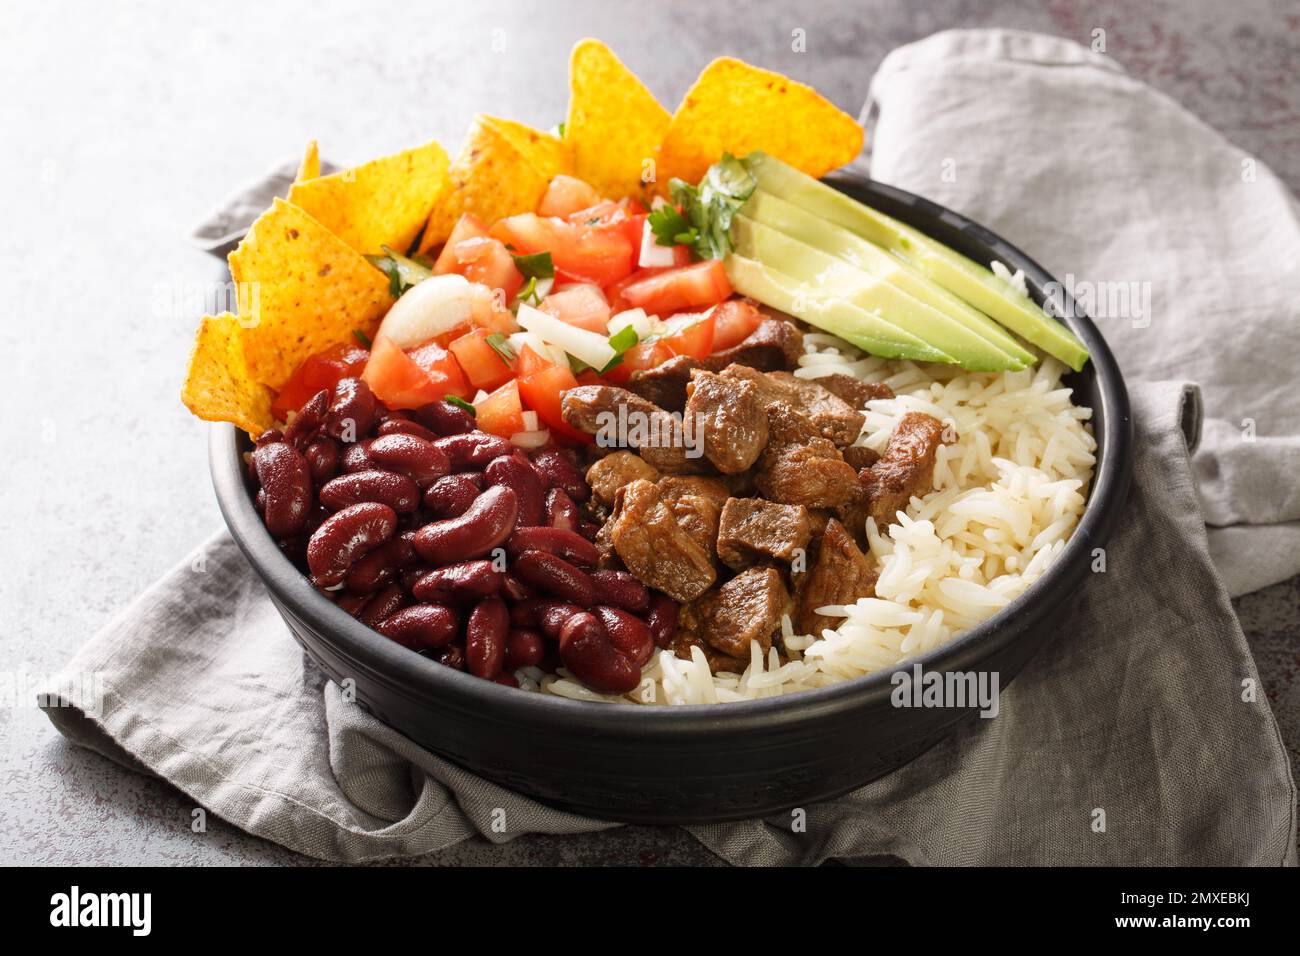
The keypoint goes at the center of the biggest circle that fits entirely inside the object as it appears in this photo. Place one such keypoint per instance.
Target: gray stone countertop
(124, 125)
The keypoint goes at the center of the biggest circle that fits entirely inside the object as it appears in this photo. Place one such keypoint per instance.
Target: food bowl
(693, 764)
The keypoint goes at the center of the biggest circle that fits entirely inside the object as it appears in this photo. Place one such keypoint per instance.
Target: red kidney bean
(485, 637)
(559, 472)
(286, 478)
(560, 511)
(452, 656)
(382, 605)
(420, 625)
(259, 500)
(352, 603)
(524, 613)
(346, 536)
(309, 418)
(484, 526)
(467, 581)
(551, 617)
(450, 496)
(555, 576)
(507, 679)
(352, 410)
(627, 633)
(586, 650)
(376, 569)
(662, 619)
(389, 488)
(515, 473)
(355, 457)
(423, 461)
(472, 451)
(513, 589)
(588, 529)
(445, 418)
(563, 544)
(322, 456)
(620, 589)
(268, 436)
(524, 648)
(404, 426)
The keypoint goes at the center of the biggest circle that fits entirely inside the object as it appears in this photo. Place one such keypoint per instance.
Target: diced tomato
(501, 412)
(589, 376)
(606, 212)
(469, 226)
(694, 339)
(481, 363)
(541, 390)
(733, 321)
(527, 361)
(614, 292)
(442, 369)
(641, 356)
(487, 261)
(634, 206)
(676, 290)
(397, 380)
(322, 370)
(567, 194)
(579, 253)
(581, 304)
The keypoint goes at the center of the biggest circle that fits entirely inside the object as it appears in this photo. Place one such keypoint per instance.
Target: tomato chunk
(642, 356)
(733, 321)
(468, 226)
(481, 363)
(396, 379)
(582, 305)
(322, 370)
(580, 253)
(527, 361)
(487, 261)
(541, 390)
(694, 336)
(675, 290)
(565, 195)
(501, 412)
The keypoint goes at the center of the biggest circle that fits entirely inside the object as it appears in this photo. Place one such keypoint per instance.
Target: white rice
(1006, 497)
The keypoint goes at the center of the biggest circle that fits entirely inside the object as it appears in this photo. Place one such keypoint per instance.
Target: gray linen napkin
(1139, 735)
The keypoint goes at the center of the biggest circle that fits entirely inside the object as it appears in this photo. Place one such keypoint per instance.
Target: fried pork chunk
(904, 471)
(752, 529)
(626, 419)
(618, 468)
(774, 344)
(730, 419)
(696, 503)
(645, 534)
(799, 466)
(841, 575)
(746, 608)
(665, 384)
(831, 416)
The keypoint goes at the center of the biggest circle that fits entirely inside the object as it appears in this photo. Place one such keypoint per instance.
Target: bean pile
(453, 542)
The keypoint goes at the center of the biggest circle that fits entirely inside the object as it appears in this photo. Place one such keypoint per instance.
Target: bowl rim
(421, 678)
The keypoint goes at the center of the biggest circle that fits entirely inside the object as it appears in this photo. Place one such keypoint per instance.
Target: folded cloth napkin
(1139, 735)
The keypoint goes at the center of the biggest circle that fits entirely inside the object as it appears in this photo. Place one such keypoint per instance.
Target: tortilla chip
(380, 203)
(309, 168)
(301, 289)
(548, 154)
(491, 178)
(218, 386)
(737, 108)
(614, 124)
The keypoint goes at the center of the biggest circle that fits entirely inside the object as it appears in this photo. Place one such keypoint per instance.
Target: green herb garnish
(536, 266)
(460, 403)
(707, 209)
(622, 340)
(362, 338)
(501, 346)
(402, 271)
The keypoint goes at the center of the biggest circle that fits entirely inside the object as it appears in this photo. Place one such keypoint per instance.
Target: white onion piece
(432, 307)
(653, 255)
(642, 324)
(532, 439)
(530, 421)
(585, 346)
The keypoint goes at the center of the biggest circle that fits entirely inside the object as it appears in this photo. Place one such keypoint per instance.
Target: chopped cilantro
(707, 209)
(362, 338)
(502, 347)
(402, 271)
(622, 340)
(670, 227)
(460, 403)
(536, 266)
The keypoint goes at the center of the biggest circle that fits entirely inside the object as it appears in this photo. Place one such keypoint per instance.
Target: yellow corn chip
(380, 203)
(737, 108)
(490, 178)
(548, 154)
(218, 387)
(309, 168)
(301, 290)
(614, 125)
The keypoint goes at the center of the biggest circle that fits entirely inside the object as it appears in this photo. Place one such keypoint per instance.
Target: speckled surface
(123, 126)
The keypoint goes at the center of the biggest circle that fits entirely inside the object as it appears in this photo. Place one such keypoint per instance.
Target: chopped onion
(430, 308)
(653, 255)
(641, 323)
(585, 346)
(531, 439)
(530, 421)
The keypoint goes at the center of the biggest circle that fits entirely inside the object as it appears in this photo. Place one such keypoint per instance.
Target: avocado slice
(830, 312)
(963, 277)
(827, 275)
(785, 217)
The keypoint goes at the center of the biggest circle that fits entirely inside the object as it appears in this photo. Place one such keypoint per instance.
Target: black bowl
(701, 763)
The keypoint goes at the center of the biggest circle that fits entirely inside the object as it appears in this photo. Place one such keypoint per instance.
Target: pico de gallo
(585, 290)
